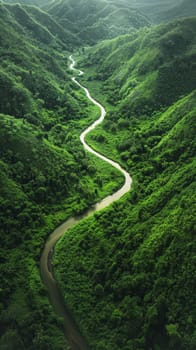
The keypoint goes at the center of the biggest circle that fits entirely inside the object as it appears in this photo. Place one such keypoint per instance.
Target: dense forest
(133, 266)
(127, 273)
(45, 174)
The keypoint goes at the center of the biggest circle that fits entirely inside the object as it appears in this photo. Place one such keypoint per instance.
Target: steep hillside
(147, 70)
(39, 25)
(33, 174)
(45, 176)
(93, 20)
(130, 270)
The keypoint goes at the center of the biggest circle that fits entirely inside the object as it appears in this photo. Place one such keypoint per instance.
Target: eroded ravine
(72, 332)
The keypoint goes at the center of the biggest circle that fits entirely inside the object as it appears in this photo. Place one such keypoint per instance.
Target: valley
(71, 330)
(124, 272)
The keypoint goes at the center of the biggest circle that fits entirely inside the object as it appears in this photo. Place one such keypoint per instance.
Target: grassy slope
(44, 171)
(130, 270)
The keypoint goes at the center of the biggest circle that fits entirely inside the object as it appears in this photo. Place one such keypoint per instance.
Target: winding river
(72, 333)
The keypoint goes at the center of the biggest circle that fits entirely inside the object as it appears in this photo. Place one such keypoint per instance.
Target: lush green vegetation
(130, 269)
(45, 174)
(139, 11)
(147, 70)
(93, 20)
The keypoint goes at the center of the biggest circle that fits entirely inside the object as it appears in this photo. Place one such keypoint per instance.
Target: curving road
(72, 333)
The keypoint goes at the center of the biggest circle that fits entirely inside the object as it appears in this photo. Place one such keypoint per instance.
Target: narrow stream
(72, 333)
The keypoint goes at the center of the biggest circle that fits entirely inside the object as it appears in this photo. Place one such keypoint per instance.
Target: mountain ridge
(130, 268)
(93, 21)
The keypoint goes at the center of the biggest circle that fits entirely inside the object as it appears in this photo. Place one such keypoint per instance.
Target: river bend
(72, 333)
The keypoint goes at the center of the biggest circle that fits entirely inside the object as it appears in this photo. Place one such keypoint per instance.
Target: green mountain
(149, 69)
(32, 70)
(155, 10)
(39, 25)
(131, 268)
(93, 20)
(34, 172)
(164, 10)
(43, 167)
